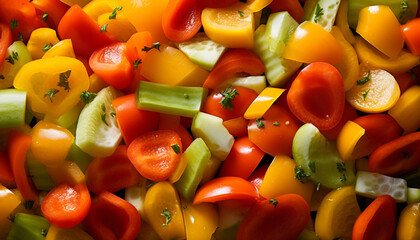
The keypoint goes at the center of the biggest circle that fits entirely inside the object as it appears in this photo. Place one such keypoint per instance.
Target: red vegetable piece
(5, 41)
(349, 113)
(172, 122)
(54, 8)
(257, 177)
(292, 6)
(411, 35)
(6, 175)
(281, 218)
(406, 80)
(398, 156)
(317, 96)
(111, 217)
(237, 127)
(216, 3)
(377, 221)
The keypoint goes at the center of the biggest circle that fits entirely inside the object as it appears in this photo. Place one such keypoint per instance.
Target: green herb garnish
(167, 216)
(365, 94)
(276, 123)
(47, 47)
(87, 97)
(51, 93)
(241, 14)
(155, 45)
(103, 28)
(45, 17)
(176, 148)
(301, 175)
(364, 80)
(319, 11)
(114, 13)
(13, 24)
(273, 201)
(136, 63)
(229, 95)
(64, 80)
(260, 123)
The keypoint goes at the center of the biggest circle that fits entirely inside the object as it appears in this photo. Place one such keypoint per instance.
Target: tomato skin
(54, 8)
(284, 221)
(349, 113)
(240, 103)
(398, 156)
(377, 221)
(5, 41)
(273, 139)
(317, 96)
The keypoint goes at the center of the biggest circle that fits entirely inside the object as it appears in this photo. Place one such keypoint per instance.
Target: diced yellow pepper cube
(63, 48)
(8, 202)
(40, 41)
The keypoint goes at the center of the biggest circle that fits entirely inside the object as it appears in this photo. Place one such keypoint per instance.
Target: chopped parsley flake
(259, 122)
(176, 148)
(11, 58)
(155, 45)
(103, 107)
(364, 80)
(406, 155)
(44, 232)
(64, 80)
(365, 94)
(413, 75)
(341, 167)
(276, 123)
(45, 17)
(47, 47)
(136, 63)
(301, 175)
(20, 36)
(1, 77)
(29, 204)
(103, 28)
(13, 24)
(404, 5)
(103, 117)
(319, 11)
(114, 13)
(229, 95)
(241, 14)
(51, 93)
(87, 97)
(312, 166)
(273, 201)
(167, 216)
(113, 114)
(343, 178)
(186, 96)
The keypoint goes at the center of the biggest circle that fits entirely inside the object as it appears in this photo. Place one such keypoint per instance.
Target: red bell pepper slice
(237, 127)
(257, 178)
(398, 156)
(84, 32)
(317, 96)
(234, 61)
(112, 173)
(216, 3)
(21, 17)
(242, 159)
(225, 188)
(349, 113)
(172, 122)
(181, 20)
(292, 6)
(112, 66)
(135, 45)
(111, 217)
(6, 175)
(66, 206)
(283, 217)
(411, 35)
(5, 41)
(377, 221)
(17, 146)
(55, 10)
(406, 80)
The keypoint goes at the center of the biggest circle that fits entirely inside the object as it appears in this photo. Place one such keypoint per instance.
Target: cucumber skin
(28, 226)
(280, 27)
(12, 107)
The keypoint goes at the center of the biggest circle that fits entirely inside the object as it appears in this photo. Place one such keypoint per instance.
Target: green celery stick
(198, 156)
(38, 173)
(12, 107)
(27, 226)
(17, 55)
(176, 100)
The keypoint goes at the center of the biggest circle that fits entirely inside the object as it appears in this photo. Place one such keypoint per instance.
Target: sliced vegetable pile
(209, 119)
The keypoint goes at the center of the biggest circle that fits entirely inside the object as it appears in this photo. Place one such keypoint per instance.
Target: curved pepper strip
(5, 41)
(407, 110)
(408, 222)
(348, 138)
(263, 102)
(341, 21)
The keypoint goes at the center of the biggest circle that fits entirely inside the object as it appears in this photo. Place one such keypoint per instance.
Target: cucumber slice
(373, 185)
(323, 12)
(277, 69)
(97, 131)
(413, 195)
(19, 55)
(12, 107)
(202, 51)
(28, 226)
(256, 83)
(317, 158)
(81, 158)
(217, 138)
(38, 173)
(279, 28)
(198, 156)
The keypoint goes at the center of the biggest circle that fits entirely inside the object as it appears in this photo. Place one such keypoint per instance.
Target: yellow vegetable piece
(408, 227)
(349, 66)
(407, 110)
(120, 27)
(40, 41)
(380, 93)
(98, 7)
(280, 179)
(56, 233)
(370, 55)
(96, 83)
(232, 27)
(317, 197)
(341, 21)
(8, 202)
(257, 5)
(176, 175)
(46, 92)
(307, 234)
(201, 220)
(78, 2)
(312, 43)
(348, 138)
(66, 172)
(169, 61)
(163, 210)
(263, 102)
(337, 214)
(380, 27)
(63, 48)
(50, 143)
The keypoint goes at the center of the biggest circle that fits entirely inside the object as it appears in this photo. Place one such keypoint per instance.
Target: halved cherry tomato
(411, 35)
(349, 113)
(5, 41)
(55, 10)
(280, 218)
(317, 96)
(216, 3)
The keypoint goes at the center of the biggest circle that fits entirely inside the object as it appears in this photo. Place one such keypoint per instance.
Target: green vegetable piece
(322, 12)
(280, 26)
(413, 195)
(198, 156)
(256, 83)
(93, 136)
(404, 10)
(8, 70)
(217, 138)
(28, 226)
(81, 158)
(202, 51)
(170, 99)
(12, 107)
(313, 151)
(307, 234)
(373, 185)
(277, 69)
(38, 173)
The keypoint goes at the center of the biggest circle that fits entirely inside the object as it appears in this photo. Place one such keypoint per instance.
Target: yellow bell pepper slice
(263, 102)
(41, 41)
(176, 175)
(348, 138)
(376, 91)
(47, 93)
(317, 197)
(380, 27)
(280, 179)
(63, 48)
(66, 172)
(341, 21)
(337, 213)
(407, 110)
(163, 211)
(169, 61)
(232, 27)
(408, 227)
(96, 84)
(370, 55)
(349, 66)
(8, 202)
(257, 5)
(56, 233)
(98, 7)
(201, 220)
(120, 27)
